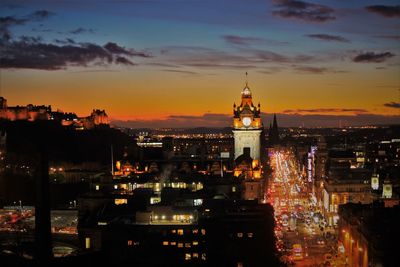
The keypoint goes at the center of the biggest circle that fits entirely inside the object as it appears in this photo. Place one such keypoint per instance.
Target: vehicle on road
(297, 252)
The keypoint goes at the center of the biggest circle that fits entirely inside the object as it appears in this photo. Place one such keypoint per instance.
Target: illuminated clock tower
(247, 126)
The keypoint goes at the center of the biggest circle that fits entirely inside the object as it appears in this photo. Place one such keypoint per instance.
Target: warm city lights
(200, 133)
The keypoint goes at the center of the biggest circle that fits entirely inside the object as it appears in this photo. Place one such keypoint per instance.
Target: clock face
(246, 121)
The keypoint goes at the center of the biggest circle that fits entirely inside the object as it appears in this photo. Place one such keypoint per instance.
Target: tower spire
(247, 82)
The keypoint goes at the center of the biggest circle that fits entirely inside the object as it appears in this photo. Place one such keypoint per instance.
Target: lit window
(97, 187)
(155, 200)
(115, 186)
(180, 245)
(195, 231)
(198, 202)
(195, 255)
(87, 242)
(130, 243)
(250, 235)
(180, 231)
(173, 231)
(203, 231)
(203, 256)
(165, 243)
(233, 189)
(187, 245)
(120, 201)
(240, 235)
(188, 256)
(195, 243)
(173, 243)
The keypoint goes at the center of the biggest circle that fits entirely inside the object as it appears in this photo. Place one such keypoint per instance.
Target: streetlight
(20, 204)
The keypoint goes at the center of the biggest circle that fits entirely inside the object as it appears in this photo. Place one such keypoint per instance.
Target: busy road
(302, 236)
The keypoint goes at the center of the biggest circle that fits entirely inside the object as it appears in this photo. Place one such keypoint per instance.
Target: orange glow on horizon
(138, 95)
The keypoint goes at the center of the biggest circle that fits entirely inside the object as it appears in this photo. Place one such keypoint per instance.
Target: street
(302, 235)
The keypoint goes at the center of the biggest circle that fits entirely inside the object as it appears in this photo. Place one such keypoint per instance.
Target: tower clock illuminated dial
(246, 121)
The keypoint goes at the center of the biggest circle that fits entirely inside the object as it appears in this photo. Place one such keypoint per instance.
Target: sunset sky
(182, 63)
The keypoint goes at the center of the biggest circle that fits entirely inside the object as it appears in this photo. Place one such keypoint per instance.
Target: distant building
(29, 112)
(353, 187)
(34, 113)
(273, 133)
(321, 157)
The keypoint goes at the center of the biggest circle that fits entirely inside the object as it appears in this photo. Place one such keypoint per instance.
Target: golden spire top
(246, 90)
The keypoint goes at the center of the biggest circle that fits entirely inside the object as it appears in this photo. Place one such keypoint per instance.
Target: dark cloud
(303, 10)
(31, 53)
(284, 120)
(41, 30)
(10, 21)
(247, 58)
(372, 57)
(315, 70)
(247, 41)
(40, 15)
(386, 11)
(328, 37)
(392, 105)
(392, 37)
(66, 41)
(30, 39)
(326, 110)
(116, 49)
(268, 56)
(123, 61)
(6, 23)
(238, 40)
(82, 30)
(201, 57)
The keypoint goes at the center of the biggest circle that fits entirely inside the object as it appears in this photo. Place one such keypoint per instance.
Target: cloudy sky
(182, 63)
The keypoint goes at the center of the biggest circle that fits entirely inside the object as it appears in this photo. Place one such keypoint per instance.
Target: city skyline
(182, 64)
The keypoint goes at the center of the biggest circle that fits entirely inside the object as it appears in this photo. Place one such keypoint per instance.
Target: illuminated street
(17, 225)
(301, 230)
